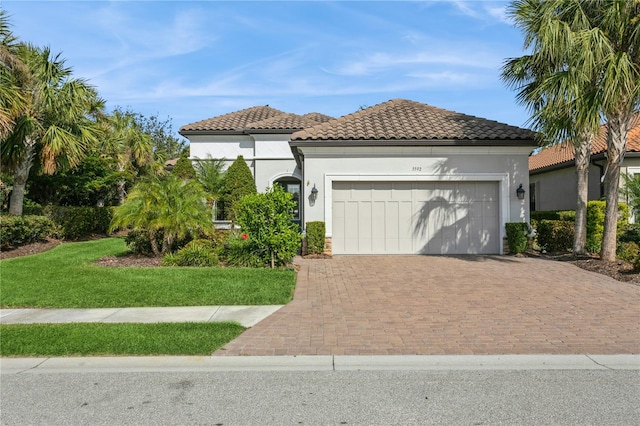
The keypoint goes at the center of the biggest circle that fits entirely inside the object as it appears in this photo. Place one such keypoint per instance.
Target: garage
(422, 217)
(403, 177)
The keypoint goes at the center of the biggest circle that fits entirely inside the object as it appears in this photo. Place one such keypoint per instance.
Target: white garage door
(415, 217)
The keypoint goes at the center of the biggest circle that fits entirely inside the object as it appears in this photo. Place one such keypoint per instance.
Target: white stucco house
(400, 177)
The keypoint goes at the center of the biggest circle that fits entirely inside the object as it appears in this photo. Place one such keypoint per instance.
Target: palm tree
(590, 56)
(54, 124)
(175, 206)
(559, 95)
(616, 34)
(11, 99)
(211, 175)
(126, 142)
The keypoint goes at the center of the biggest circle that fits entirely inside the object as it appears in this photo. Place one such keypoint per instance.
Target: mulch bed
(621, 271)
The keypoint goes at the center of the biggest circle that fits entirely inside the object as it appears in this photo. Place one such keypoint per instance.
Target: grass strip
(65, 277)
(99, 339)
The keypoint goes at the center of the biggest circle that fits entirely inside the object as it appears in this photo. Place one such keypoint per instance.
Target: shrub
(628, 251)
(139, 242)
(79, 222)
(517, 236)
(569, 215)
(240, 252)
(315, 237)
(266, 219)
(20, 230)
(555, 235)
(195, 253)
(595, 223)
(631, 233)
(238, 183)
(184, 169)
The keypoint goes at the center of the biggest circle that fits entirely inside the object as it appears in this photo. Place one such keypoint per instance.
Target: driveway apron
(429, 305)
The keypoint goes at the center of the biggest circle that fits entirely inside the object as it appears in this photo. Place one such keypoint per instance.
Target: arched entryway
(292, 186)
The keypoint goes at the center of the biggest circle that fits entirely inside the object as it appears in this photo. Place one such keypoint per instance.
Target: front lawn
(115, 339)
(65, 277)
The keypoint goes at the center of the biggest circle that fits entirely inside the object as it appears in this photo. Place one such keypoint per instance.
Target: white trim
(296, 175)
(501, 178)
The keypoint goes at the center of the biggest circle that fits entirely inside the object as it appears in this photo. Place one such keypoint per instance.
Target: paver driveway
(448, 305)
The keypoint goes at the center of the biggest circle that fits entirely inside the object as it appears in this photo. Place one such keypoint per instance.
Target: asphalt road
(526, 397)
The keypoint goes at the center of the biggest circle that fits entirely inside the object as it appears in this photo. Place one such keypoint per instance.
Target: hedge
(315, 237)
(79, 222)
(19, 230)
(569, 215)
(555, 235)
(517, 236)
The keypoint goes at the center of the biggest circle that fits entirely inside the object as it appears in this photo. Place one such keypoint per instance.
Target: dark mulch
(131, 260)
(621, 271)
(29, 249)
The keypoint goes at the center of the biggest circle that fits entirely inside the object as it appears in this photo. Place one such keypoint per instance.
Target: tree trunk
(154, 243)
(20, 177)
(167, 242)
(583, 156)
(120, 186)
(617, 131)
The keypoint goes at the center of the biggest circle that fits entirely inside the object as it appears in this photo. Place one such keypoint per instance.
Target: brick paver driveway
(448, 305)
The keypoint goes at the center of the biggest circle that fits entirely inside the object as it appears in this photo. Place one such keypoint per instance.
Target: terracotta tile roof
(233, 120)
(559, 154)
(256, 118)
(283, 122)
(400, 119)
(320, 118)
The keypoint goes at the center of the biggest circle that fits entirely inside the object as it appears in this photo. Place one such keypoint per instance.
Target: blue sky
(194, 60)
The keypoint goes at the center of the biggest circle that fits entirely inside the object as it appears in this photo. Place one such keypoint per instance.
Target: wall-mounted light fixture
(520, 192)
(314, 192)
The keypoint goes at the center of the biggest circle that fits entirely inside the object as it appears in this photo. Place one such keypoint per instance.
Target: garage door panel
(365, 226)
(416, 217)
(486, 191)
(350, 231)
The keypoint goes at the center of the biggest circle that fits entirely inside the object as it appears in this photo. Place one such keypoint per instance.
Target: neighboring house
(400, 177)
(552, 172)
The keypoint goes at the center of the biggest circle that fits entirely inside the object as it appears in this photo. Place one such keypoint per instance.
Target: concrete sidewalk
(317, 363)
(247, 316)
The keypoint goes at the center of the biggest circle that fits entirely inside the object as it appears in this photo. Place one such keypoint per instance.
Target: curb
(317, 363)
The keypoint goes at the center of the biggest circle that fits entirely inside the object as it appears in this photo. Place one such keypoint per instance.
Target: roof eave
(413, 142)
(186, 133)
(572, 163)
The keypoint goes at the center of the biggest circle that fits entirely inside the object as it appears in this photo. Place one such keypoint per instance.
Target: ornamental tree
(267, 221)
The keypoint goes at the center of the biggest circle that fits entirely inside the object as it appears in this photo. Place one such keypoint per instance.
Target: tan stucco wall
(556, 190)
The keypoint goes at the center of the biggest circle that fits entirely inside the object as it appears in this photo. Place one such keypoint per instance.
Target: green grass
(115, 339)
(65, 277)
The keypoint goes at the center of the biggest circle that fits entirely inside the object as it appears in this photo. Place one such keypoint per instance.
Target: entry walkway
(247, 316)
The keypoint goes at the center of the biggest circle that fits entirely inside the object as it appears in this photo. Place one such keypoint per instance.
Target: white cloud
(382, 61)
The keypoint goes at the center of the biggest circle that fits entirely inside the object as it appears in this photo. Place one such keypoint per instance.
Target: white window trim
(501, 178)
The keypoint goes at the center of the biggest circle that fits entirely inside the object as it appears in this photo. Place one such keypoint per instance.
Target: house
(552, 173)
(261, 135)
(400, 177)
